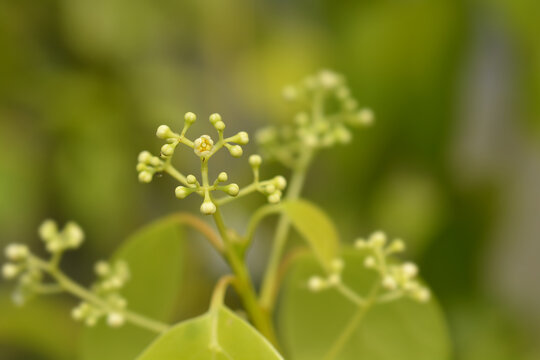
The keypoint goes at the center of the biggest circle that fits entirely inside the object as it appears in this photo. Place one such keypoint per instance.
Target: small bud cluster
(317, 283)
(111, 279)
(315, 128)
(204, 147)
(148, 166)
(273, 188)
(397, 279)
(22, 265)
(31, 270)
(18, 266)
(70, 237)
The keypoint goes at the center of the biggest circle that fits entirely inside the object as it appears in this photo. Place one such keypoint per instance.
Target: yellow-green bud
(220, 126)
(208, 207)
(236, 150)
(164, 132)
(232, 189)
(181, 192)
(48, 229)
(190, 118)
(280, 182)
(144, 157)
(145, 176)
(255, 160)
(214, 118)
(167, 150)
(222, 177)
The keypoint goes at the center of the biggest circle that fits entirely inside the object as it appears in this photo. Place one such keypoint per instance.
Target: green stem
(243, 192)
(256, 218)
(75, 289)
(268, 289)
(218, 296)
(350, 294)
(243, 284)
(169, 169)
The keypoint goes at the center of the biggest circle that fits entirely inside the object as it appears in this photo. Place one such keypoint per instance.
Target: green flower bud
(10, 271)
(220, 126)
(191, 179)
(275, 197)
(145, 177)
(270, 188)
(74, 234)
(370, 262)
(316, 284)
(16, 252)
(48, 229)
(214, 118)
(242, 138)
(222, 177)
(232, 189)
(280, 182)
(102, 268)
(190, 118)
(167, 150)
(181, 192)
(208, 207)
(236, 150)
(255, 161)
(144, 157)
(164, 132)
(115, 319)
(366, 117)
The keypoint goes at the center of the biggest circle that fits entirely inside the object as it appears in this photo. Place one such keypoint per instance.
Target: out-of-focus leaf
(42, 327)
(155, 259)
(316, 228)
(222, 329)
(311, 322)
(410, 205)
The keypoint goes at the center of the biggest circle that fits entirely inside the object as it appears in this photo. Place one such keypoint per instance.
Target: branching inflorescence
(204, 147)
(326, 111)
(395, 280)
(37, 276)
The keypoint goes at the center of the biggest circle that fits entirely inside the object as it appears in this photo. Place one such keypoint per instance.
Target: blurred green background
(453, 164)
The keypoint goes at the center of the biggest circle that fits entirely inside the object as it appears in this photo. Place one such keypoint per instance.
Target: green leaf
(310, 323)
(316, 228)
(25, 328)
(221, 330)
(155, 259)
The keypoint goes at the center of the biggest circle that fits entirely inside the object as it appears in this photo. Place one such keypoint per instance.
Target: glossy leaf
(316, 228)
(217, 335)
(310, 323)
(154, 255)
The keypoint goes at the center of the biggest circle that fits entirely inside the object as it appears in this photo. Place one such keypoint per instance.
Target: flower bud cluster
(317, 283)
(148, 165)
(19, 267)
(204, 147)
(397, 279)
(56, 241)
(314, 127)
(272, 188)
(111, 279)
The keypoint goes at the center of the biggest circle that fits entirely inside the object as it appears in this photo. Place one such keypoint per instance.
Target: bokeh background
(452, 165)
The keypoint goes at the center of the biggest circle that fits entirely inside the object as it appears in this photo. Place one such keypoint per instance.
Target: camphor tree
(322, 301)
